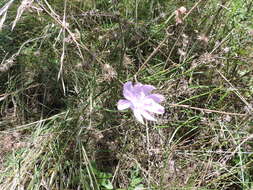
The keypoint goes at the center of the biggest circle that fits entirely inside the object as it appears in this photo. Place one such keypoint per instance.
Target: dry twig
(207, 110)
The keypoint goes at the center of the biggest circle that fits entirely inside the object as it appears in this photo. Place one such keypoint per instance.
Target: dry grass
(61, 80)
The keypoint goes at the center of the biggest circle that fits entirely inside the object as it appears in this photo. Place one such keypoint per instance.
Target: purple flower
(141, 101)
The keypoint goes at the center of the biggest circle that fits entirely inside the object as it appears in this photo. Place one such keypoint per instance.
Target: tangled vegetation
(62, 66)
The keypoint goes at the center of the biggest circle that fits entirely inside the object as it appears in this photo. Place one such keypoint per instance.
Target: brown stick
(207, 110)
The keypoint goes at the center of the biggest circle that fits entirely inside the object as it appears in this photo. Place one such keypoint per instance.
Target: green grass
(59, 85)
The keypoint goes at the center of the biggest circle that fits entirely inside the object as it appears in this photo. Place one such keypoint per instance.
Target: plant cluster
(63, 68)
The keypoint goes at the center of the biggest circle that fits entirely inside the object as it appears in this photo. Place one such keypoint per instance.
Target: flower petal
(157, 108)
(147, 115)
(156, 97)
(147, 89)
(123, 104)
(128, 91)
(138, 115)
(138, 86)
(151, 106)
(128, 86)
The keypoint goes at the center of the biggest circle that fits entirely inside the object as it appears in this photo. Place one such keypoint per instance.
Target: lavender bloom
(141, 101)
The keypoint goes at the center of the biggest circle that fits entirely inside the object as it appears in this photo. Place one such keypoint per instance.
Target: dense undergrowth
(62, 67)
